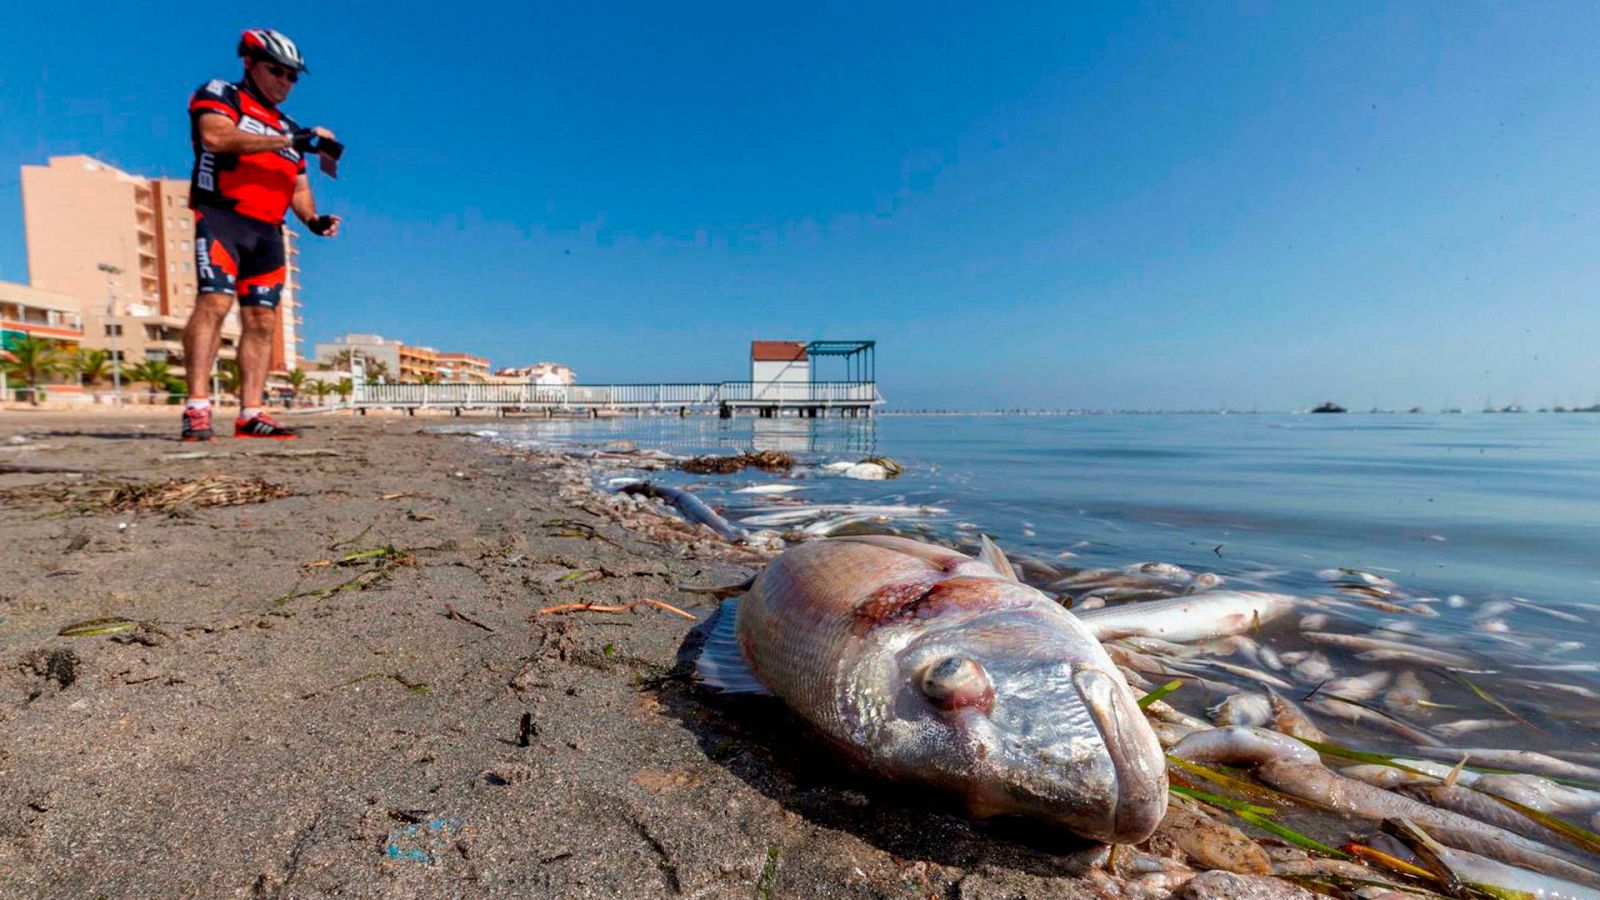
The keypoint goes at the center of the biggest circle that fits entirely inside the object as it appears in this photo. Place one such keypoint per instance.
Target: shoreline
(291, 707)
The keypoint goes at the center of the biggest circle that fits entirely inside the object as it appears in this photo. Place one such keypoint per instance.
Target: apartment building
(123, 245)
(27, 312)
(463, 367)
(544, 373)
(375, 347)
(418, 364)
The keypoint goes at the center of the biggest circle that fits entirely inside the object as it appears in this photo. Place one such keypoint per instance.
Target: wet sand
(274, 726)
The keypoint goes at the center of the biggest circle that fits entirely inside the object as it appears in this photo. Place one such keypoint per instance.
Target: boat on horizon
(1328, 406)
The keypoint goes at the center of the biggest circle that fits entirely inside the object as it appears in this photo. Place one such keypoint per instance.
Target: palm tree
(320, 389)
(296, 379)
(30, 361)
(93, 366)
(344, 388)
(343, 359)
(228, 376)
(153, 372)
(377, 371)
(428, 378)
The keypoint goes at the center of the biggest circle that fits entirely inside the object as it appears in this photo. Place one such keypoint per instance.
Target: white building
(545, 374)
(779, 370)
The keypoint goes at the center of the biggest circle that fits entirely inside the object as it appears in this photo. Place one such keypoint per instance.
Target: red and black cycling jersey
(258, 185)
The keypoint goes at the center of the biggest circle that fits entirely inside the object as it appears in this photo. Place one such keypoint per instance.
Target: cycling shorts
(239, 256)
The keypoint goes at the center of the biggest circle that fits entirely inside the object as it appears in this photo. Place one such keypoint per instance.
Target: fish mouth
(1140, 798)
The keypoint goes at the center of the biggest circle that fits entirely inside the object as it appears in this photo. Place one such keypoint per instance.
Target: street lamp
(116, 328)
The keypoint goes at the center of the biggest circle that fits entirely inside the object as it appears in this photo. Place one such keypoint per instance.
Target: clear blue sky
(1178, 206)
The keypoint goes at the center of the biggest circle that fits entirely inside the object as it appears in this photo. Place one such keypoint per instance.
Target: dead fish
(1184, 619)
(1452, 730)
(1390, 649)
(1313, 669)
(1563, 615)
(1357, 687)
(1292, 720)
(1515, 760)
(1353, 713)
(1314, 621)
(930, 667)
(1408, 697)
(1242, 709)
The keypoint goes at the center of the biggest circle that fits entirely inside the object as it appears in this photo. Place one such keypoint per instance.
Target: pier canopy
(859, 362)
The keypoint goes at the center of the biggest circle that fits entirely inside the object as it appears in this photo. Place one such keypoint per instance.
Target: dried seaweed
(149, 496)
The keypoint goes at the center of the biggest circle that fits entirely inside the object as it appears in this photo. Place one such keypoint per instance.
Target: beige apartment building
(123, 245)
(463, 367)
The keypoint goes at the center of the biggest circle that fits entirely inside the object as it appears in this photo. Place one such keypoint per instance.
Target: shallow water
(1464, 513)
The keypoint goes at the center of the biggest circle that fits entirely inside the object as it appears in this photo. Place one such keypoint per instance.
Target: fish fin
(721, 664)
(989, 553)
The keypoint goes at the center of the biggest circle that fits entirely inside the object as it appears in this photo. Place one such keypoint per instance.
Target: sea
(1487, 523)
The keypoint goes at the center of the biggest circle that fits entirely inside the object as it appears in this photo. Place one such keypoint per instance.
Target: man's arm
(218, 134)
(305, 209)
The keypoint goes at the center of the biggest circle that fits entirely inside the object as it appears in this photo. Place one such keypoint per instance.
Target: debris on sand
(96, 627)
(614, 608)
(765, 460)
(151, 496)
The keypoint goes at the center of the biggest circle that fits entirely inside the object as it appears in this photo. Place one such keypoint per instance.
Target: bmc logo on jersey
(205, 172)
(250, 125)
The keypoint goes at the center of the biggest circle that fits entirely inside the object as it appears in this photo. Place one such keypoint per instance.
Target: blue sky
(1051, 205)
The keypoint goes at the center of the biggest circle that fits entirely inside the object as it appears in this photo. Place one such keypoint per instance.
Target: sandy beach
(341, 684)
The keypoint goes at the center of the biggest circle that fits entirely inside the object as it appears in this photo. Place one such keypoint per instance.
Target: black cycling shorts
(239, 256)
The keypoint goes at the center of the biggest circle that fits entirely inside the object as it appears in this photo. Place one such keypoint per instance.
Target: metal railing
(663, 396)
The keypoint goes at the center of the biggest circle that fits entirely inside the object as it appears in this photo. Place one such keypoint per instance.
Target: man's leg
(255, 352)
(201, 339)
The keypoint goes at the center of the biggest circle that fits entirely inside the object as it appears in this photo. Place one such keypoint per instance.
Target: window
(185, 223)
(169, 218)
(186, 246)
(172, 268)
(113, 330)
(188, 267)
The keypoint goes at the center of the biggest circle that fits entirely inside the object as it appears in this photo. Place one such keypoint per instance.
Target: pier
(782, 384)
(818, 399)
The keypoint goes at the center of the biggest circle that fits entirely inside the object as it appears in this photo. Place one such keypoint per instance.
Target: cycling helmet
(268, 44)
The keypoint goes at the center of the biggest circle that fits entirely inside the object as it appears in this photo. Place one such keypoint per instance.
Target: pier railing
(694, 395)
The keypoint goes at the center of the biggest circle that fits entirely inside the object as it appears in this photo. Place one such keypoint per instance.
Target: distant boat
(1328, 406)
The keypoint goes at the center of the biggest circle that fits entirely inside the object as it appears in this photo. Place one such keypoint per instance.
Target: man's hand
(306, 137)
(324, 226)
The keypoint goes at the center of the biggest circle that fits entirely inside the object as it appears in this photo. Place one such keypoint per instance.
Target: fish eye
(957, 682)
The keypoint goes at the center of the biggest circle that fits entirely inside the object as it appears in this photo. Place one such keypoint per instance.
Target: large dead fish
(928, 666)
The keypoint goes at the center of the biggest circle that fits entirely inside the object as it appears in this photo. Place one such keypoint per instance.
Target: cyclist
(249, 169)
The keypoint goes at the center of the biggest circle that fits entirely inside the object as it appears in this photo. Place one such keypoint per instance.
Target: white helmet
(264, 43)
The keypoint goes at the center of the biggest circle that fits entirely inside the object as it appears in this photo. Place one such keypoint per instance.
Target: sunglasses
(289, 75)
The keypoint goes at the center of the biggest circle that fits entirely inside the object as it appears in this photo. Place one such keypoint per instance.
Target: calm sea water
(1468, 508)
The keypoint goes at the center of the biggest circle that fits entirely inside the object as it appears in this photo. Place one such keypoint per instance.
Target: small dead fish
(1314, 621)
(1355, 713)
(1357, 687)
(1313, 669)
(1452, 730)
(1392, 649)
(1292, 720)
(1242, 709)
(1408, 697)
(1515, 760)
(1190, 618)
